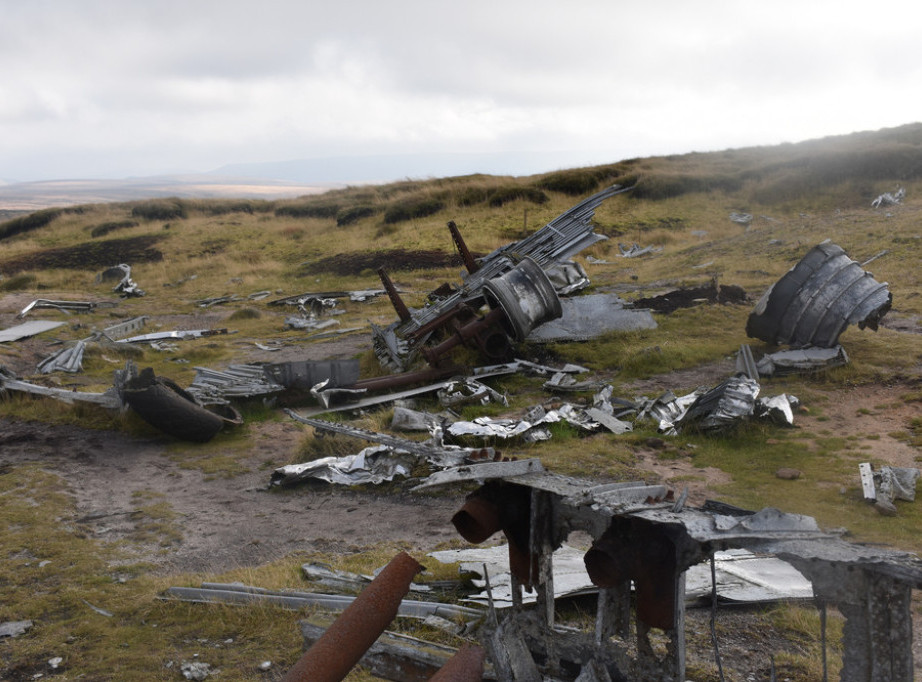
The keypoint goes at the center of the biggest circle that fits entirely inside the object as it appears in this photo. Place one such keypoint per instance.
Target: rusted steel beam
(464, 666)
(332, 656)
(402, 311)
(422, 376)
(469, 263)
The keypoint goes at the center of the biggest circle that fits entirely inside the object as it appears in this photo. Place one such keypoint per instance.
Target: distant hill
(32, 196)
(393, 167)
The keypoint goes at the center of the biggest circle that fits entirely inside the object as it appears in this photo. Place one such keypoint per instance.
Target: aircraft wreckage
(515, 285)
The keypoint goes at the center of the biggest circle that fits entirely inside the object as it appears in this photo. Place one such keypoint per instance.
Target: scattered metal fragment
(110, 399)
(889, 199)
(405, 419)
(166, 406)
(778, 409)
(879, 254)
(212, 387)
(817, 299)
(346, 640)
(717, 409)
(236, 593)
(66, 306)
(27, 329)
(96, 609)
(741, 218)
(795, 361)
(481, 472)
(743, 577)
(68, 359)
(181, 335)
(586, 317)
(433, 450)
(306, 298)
(563, 381)
(126, 286)
(374, 465)
(309, 324)
(635, 250)
(466, 391)
(218, 300)
(887, 484)
(567, 277)
(722, 406)
(116, 331)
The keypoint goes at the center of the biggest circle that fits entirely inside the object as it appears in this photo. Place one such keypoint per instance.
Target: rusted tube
(523, 565)
(349, 637)
(603, 565)
(477, 520)
(464, 666)
(402, 311)
(469, 263)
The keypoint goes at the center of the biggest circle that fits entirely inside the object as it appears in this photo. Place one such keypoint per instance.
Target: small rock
(787, 474)
(655, 443)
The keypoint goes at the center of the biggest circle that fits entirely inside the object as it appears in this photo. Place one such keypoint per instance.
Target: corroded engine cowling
(526, 296)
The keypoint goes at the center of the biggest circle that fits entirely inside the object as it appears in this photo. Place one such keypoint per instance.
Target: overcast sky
(114, 88)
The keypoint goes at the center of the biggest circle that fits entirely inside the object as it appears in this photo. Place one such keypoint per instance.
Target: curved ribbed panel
(817, 299)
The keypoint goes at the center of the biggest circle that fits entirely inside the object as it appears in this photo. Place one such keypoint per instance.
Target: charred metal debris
(643, 537)
(503, 298)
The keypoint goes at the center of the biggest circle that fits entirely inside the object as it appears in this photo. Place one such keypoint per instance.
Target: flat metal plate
(28, 329)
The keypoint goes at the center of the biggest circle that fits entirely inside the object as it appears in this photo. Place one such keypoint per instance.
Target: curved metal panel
(813, 303)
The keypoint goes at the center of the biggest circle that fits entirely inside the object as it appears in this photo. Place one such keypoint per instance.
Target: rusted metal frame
(399, 306)
(342, 645)
(469, 263)
(462, 335)
(462, 310)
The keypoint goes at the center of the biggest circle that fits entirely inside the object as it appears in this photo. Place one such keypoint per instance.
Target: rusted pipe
(477, 520)
(523, 565)
(464, 666)
(344, 643)
(464, 334)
